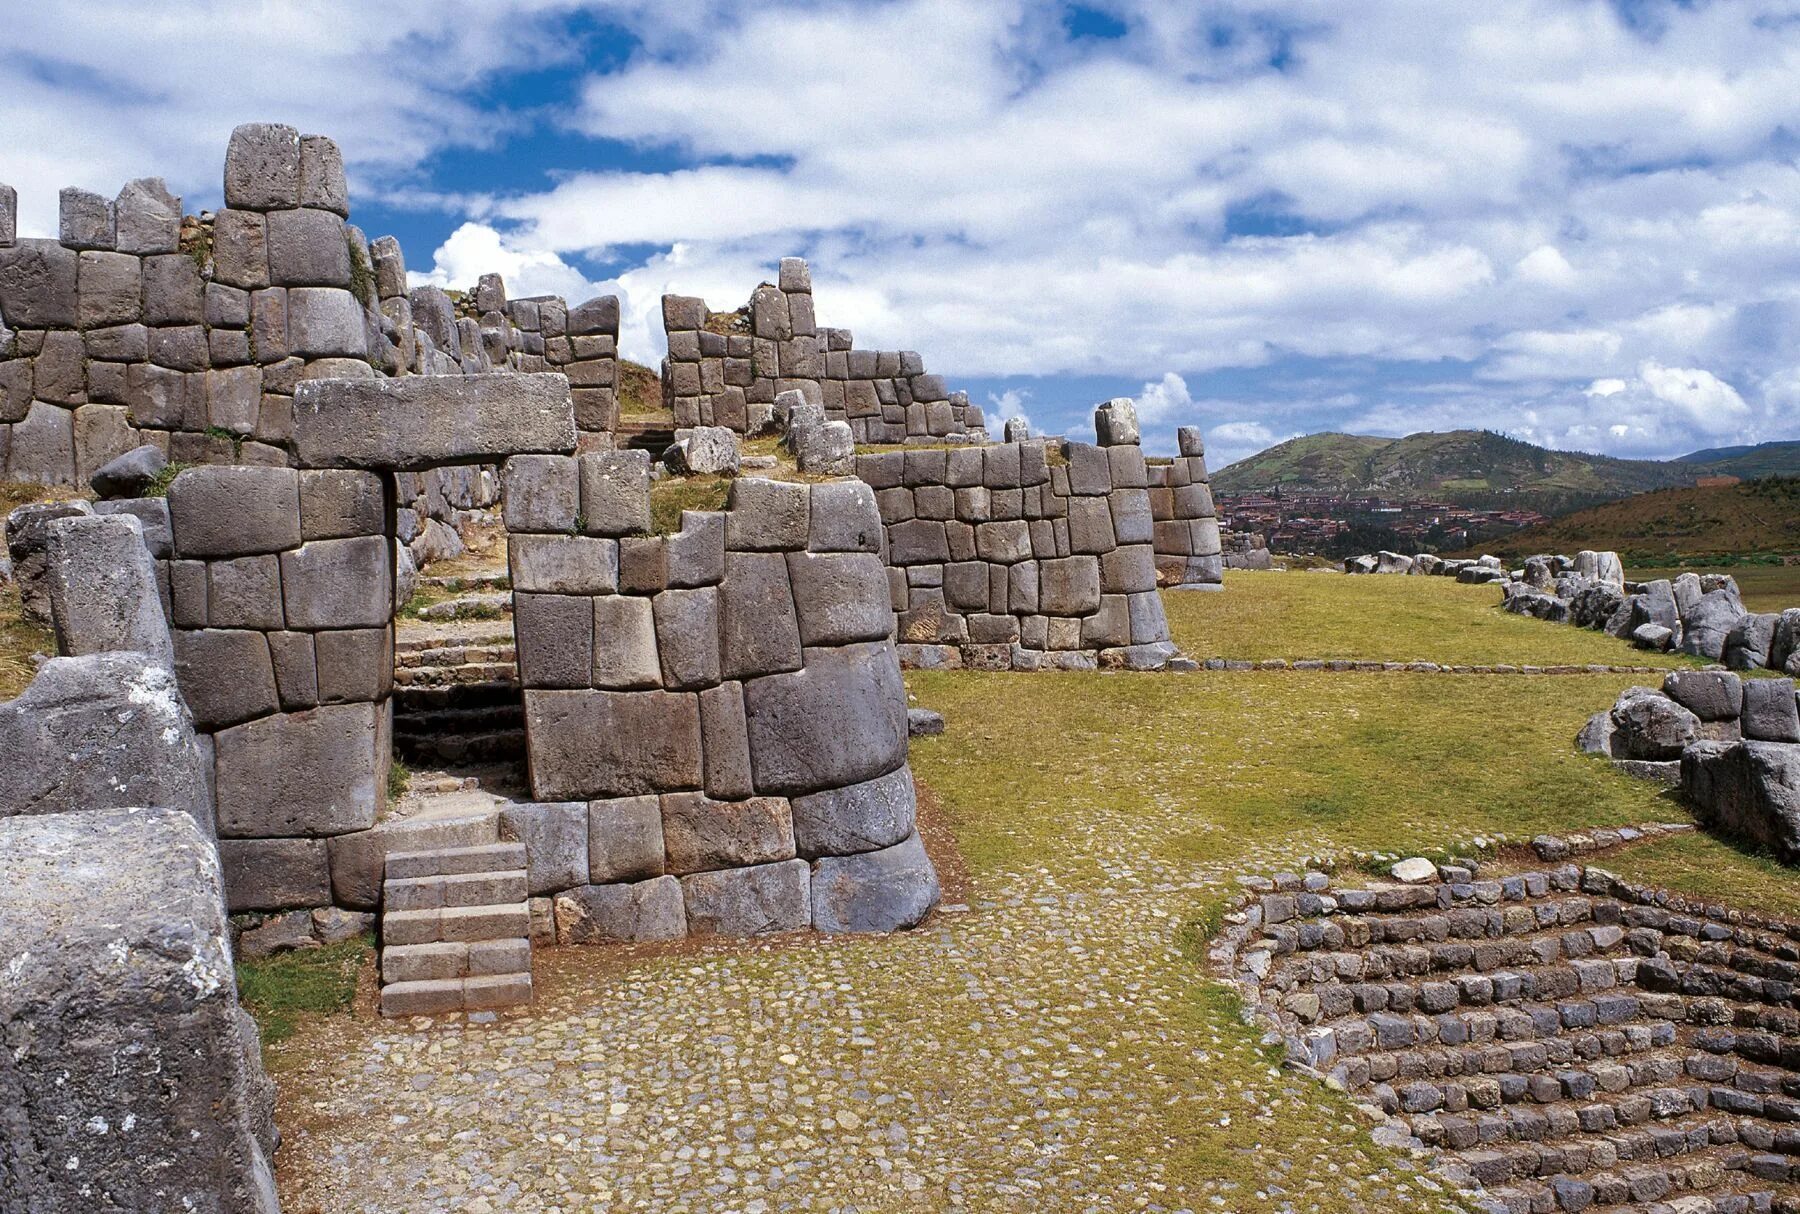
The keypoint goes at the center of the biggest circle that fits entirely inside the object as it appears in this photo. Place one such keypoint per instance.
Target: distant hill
(1760, 516)
(1471, 467)
(1764, 459)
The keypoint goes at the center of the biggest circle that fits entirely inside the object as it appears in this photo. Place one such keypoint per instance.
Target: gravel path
(1043, 1049)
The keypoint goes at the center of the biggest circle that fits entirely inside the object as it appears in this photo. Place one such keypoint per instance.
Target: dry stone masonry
(1568, 1041)
(1188, 552)
(1022, 556)
(716, 725)
(729, 369)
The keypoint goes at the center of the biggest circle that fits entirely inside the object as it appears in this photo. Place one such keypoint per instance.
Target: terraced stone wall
(726, 369)
(279, 589)
(1010, 556)
(1569, 1041)
(1188, 551)
(139, 325)
(715, 721)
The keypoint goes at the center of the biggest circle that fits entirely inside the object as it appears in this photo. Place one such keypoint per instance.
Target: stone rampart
(715, 720)
(1021, 555)
(727, 369)
(1188, 551)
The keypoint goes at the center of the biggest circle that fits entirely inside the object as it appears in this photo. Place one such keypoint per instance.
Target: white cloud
(1163, 399)
(475, 249)
(1004, 406)
(1708, 403)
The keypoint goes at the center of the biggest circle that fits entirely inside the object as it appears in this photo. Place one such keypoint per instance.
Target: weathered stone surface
(1596, 737)
(701, 834)
(1600, 567)
(625, 643)
(1709, 622)
(27, 544)
(844, 518)
(353, 664)
(1069, 586)
(1770, 712)
(766, 515)
(305, 773)
(420, 421)
(840, 597)
(307, 249)
(1748, 789)
(825, 449)
(103, 593)
(555, 835)
(1784, 650)
(759, 631)
(1414, 871)
(339, 503)
(686, 636)
(275, 874)
(749, 901)
(1751, 640)
(636, 913)
(703, 450)
(555, 640)
(98, 732)
(625, 839)
(597, 744)
(1651, 726)
(38, 285)
(338, 584)
(879, 891)
(840, 720)
(358, 861)
(152, 514)
(234, 511)
(1709, 694)
(262, 167)
(695, 555)
(1116, 422)
(615, 492)
(148, 217)
(541, 493)
(563, 564)
(924, 723)
(129, 475)
(131, 1072)
(862, 817)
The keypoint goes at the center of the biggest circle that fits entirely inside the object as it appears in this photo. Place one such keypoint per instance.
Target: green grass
(19, 639)
(398, 778)
(279, 990)
(1765, 587)
(1709, 867)
(1381, 618)
(671, 495)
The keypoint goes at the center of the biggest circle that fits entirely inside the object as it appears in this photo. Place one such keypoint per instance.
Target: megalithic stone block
(424, 421)
(150, 1088)
(103, 588)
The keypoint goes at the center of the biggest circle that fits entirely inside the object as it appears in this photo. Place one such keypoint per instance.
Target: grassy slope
(1660, 527)
(1430, 619)
(640, 391)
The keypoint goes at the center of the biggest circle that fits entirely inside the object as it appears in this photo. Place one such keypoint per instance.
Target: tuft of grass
(160, 486)
(398, 778)
(671, 495)
(278, 991)
(1382, 618)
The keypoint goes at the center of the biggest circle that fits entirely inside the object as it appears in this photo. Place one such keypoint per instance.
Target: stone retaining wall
(139, 326)
(1566, 1040)
(726, 369)
(1009, 556)
(715, 720)
(1188, 552)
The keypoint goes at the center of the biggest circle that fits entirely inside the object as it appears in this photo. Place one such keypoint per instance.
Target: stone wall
(715, 720)
(139, 326)
(726, 369)
(1019, 556)
(280, 595)
(1188, 551)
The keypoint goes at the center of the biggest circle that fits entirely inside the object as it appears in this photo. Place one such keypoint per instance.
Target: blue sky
(1574, 222)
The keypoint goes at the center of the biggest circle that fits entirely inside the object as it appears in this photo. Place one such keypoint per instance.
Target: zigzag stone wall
(1007, 557)
(726, 369)
(715, 719)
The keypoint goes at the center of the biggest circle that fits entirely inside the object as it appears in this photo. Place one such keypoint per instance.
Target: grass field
(1380, 618)
(1765, 587)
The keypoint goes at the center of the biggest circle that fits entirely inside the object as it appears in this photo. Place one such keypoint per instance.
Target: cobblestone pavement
(1045, 1049)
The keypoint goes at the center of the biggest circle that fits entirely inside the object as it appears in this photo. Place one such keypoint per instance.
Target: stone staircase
(652, 435)
(456, 698)
(455, 930)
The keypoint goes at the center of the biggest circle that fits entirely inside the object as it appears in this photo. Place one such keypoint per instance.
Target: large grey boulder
(1360, 564)
(1521, 599)
(102, 731)
(703, 450)
(103, 595)
(1539, 572)
(129, 475)
(1709, 622)
(1651, 726)
(1747, 789)
(827, 448)
(632, 913)
(749, 901)
(1116, 423)
(840, 720)
(417, 422)
(27, 538)
(879, 891)
(1596, 737)
(1784, 650)
(1652, 636)
(1748, 645)
(1770, 712)
(1600, 567)
(132, 1081)
(862, 817)
(1711, 695)
(1392, 562)
(1654, 604)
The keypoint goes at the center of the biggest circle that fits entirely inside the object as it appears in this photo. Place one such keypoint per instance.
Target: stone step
(447, 959)
(468, 606)
(443, 861)
(476, 718)
(1496, 1060)
(460, 749)
(433, 996)
(487, 579)
(456, 655)
(1673, 1165)
(455, 890)
(444, 676)
(456, 923)
(493, 634)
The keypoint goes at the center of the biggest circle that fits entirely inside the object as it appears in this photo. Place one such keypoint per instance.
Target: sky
(1577, 223)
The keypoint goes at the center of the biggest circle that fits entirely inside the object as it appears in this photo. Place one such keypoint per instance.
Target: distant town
(1304, 522)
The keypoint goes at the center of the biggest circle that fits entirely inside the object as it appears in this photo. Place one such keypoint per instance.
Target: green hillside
(1475, 467)
(1673, 525)
(1764, 459)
